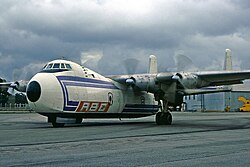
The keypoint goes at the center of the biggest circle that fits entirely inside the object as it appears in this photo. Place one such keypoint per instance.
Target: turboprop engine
(145, 82)
(187, 80)
(19, 85)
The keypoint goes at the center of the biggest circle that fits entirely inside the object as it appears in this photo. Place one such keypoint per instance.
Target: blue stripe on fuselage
(66, 81)
(81, 84)
(80, 79)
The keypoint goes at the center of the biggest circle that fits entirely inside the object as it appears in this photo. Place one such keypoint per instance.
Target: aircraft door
(115, 99)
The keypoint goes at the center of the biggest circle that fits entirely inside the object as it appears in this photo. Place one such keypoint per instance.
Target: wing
(204, 82)
(4, 85)
(18, 85)
(204, 79)
(185, 83)
(224, 77)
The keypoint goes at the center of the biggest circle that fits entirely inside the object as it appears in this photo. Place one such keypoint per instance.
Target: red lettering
(87, 106)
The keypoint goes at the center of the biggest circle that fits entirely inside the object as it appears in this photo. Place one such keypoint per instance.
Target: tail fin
(228, 60)
(152, 65)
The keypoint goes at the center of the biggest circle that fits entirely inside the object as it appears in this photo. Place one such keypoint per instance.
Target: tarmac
(194, 139)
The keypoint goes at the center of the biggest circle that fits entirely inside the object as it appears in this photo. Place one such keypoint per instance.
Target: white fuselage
(77, 90)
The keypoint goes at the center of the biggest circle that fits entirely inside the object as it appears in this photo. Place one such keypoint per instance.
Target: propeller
(184, 63)
(2, 80)
(131, 65)
(143, 82)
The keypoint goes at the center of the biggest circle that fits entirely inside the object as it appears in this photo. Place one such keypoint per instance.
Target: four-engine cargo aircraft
(67, 92)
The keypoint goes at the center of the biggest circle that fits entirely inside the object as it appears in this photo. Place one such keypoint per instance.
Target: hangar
(223, 101)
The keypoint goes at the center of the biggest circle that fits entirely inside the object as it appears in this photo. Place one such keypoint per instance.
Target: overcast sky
(102, 34)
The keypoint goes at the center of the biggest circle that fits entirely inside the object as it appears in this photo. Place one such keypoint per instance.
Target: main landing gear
(164, 117)
(55, 124)
(61, 123)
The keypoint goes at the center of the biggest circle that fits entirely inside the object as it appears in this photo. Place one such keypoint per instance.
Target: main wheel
(78, 120)
(57, 125)
(158, 118)
(162, 118)
(167, 118)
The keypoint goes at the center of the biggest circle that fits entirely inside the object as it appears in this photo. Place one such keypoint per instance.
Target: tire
(158, 118)
(78, 120)
(167, 118)
(163, 118)
(57, 125)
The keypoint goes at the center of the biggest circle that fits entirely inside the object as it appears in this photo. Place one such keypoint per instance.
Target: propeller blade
(184, 63)
(131, 65)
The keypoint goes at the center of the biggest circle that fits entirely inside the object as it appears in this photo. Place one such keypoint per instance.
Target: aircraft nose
(33, 91)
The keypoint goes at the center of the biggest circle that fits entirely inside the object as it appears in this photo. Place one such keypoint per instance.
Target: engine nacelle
(187, 80)
(2, 80)
(20, 85)
(143, 82)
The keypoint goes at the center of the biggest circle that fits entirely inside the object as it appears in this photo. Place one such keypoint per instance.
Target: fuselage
(66, 89)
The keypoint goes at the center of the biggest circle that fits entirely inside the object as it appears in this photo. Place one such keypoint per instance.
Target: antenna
(228, 60)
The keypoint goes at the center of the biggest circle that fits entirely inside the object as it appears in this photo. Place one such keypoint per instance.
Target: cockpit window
(68, 66)
(44, 66)
(56, 65)
(62, 66)
(49, 66)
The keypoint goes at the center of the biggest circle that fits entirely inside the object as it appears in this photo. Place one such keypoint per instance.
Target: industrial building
(223, 101)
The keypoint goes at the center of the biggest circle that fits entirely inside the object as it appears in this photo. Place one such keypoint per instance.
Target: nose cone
(33, 91)
(44, 93)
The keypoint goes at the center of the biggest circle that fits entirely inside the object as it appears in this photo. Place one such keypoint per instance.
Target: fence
(15, 107)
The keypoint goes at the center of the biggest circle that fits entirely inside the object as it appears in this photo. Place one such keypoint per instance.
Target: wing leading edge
(204, 79)
(186, 83)
(224, 77)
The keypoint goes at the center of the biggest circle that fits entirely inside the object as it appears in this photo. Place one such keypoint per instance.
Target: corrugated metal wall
(216, 101)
